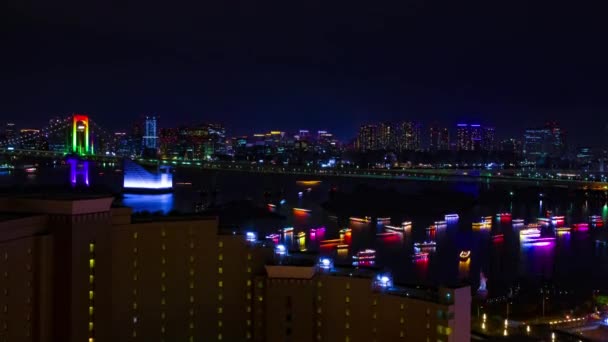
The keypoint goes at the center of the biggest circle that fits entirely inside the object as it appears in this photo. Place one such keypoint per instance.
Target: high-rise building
(9, 131)
(410, 136)
(77, 269)
(557, 139)
(463, 137)
(386, 136)
(476, 133)
(488, 139)
(367, 139)
(439, 138)
(537, 143)
(511, 145)
(150, 138)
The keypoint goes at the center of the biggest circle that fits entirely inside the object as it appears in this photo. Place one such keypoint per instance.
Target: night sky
(257, 65)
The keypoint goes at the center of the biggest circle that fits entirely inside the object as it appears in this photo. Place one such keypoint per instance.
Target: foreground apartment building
(74, 268)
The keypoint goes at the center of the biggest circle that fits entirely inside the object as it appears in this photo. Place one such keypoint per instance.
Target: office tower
(386, 136)
(303, 134)
(368, 138)
(150, 137)
(557, 139)
(537, 143)
(439, 139)
(410, 136)
(77, 269)
(510, 145)
(9, 131)
(476, 133)
(488, 139)
(463, 137)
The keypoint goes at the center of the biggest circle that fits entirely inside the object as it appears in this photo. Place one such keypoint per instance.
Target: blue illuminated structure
(79, 169)
(138, 179)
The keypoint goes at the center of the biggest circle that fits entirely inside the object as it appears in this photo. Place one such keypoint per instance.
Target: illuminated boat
(596, 221)
(425, 244)
(270, 205)
(504, 216)
(518, 221)
(544, 221)
(406, 224)
(480, 225)
(581, 226)
(365, 219)
(465, 255)
(440, 223)
(419, 255)
(557, 219)
(301, 210)
(318, 230)
(529, 232)
(385, 234)
(345, 231)
(394, 228)
(451, 217)
(383, 219)
(273, 237)
(562, 230)
(431, 228)
(498, 237)
(183, 183)
(308, 182)
(365, 257)
(301, 235)
(288, 230)
(331, 242)
(342, 246)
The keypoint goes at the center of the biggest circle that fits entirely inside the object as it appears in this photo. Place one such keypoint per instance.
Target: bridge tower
(81, 139)
(81, 147)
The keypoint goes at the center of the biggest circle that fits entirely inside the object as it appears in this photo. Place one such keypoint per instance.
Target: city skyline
(221, 63)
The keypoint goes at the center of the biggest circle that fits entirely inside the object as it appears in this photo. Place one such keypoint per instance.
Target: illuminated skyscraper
(488, 139)
(557, 139)
(476, 136)
(463, 137)
(386, 136)
(368, 138)
(440, 139)
(409, 139)
(536, 143)
(150, 138)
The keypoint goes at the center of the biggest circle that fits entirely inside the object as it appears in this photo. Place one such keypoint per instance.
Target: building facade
(74, 268)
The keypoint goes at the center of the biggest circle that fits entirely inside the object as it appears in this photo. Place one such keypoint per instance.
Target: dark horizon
(256, 67)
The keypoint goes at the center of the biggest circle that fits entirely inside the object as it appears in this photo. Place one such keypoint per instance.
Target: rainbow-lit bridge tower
(80, 146)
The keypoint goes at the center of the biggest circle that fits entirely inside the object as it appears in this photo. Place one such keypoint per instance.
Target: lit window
(192, 258)
(346, 339)
(91, 311)
(91, 263)
(163, 288)
(90, 326)
(163, 315)
(191, 311)
(260, 284)
(219, 324)
(220, 270)
(91, 279)
(219, 337)
(319, 323)
(248, 322)
(163, 233)
(319, 311)
(220, 310)
(134, 263)
(248, 308)
(220, 284)
(134, 305)
(319, 284)
(402, 306)
(248, 269)
(191, 299)
(134, 249)
(401, 334)
(220, 297)
(91, 248)
(347, 312)
(347, 285)
(374, 316)
(91, 295)
(347, 299)
(191, 272)
(220, 257)
(191, 285)
(248, 295)
(135, 235)
(347, 325)
(163, 301)
(249, 256)
(220, 244)
(248, 282)
(191, 325)
(163, 246)
(260, 298)
(163, 260)
(163, 274)
(319, 298)
(401, 320)
(134, 276)
(375, 302)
